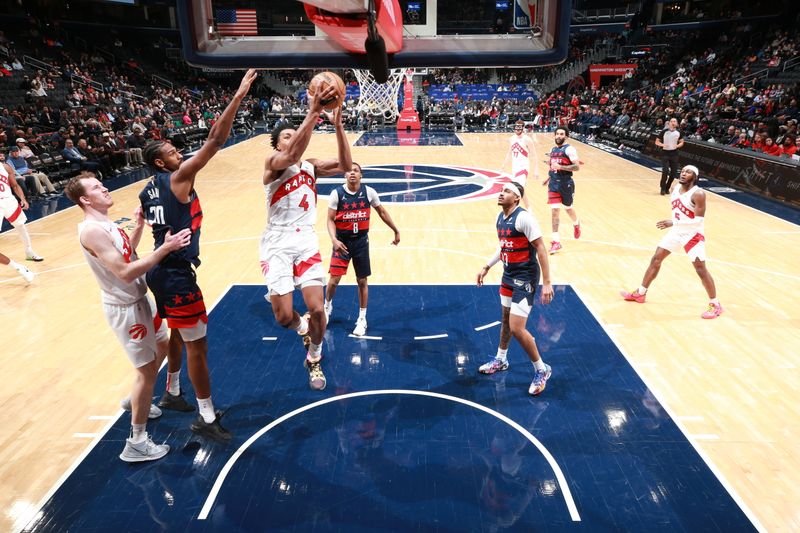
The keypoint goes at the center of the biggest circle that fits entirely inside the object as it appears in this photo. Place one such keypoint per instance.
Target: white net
(380, 98)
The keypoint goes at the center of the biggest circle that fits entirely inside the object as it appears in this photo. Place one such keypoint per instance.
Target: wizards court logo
(425, 183)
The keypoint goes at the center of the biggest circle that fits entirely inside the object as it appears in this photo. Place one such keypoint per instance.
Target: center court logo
(425, 183)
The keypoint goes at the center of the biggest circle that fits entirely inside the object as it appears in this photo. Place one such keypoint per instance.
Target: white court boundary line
(26, 522)
(487, 326)
(562, 481)
(678, 422)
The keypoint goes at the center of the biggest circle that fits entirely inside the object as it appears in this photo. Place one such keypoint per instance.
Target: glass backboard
(280, 34)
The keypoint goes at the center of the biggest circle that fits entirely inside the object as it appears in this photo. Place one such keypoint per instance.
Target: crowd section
(74, 109)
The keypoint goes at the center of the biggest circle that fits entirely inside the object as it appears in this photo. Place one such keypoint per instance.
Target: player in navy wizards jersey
(170, 203)
(560, 186)
(348, 225)
(524, 257)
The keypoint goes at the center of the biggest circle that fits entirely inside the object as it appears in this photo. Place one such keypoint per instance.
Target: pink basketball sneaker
(713, 311)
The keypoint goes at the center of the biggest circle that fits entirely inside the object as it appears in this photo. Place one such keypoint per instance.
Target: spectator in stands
(79, 161)
(770, 148)
(41, 183)
(742, 141)
(24, 149)
(26, 182)
(136, 143)
(115, 154)
(789, 146)
(95, 155)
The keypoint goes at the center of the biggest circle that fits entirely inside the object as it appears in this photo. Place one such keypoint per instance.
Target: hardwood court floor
(731, 383)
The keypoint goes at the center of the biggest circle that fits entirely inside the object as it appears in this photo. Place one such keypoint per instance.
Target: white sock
(642, 289)
(362, 313)
(314, 352)
(138, 433)
(577, 222)
(174, 383)
(714, 301)
(206, 407)
(328, 305)
(539, 365)
(555, 237)
(502, 354)
(26, 238)
(302, 327)
(16, 266)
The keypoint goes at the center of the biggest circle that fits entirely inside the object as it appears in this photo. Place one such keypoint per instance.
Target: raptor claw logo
(138, 331)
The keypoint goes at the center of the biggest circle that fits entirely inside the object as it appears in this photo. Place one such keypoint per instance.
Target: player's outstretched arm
(387, 219)
(184, 176)
(282, 159)
(97, 241)
(344, 161)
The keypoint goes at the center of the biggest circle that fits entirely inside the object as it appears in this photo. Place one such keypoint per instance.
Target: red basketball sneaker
(554, 247)
(576, 231)
(633, 296)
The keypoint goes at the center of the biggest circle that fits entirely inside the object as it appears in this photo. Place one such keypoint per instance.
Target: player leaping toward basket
(290, 256)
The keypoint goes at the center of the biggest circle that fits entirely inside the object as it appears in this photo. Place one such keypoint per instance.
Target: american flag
(236, 22)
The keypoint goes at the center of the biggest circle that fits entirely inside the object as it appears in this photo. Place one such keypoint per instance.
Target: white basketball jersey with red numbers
(113, 290)
(683, 207)
(292, 198)
(5, 184)
(519, 149)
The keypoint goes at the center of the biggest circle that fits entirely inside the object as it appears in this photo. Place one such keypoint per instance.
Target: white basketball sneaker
(361, 327)
(143, 451)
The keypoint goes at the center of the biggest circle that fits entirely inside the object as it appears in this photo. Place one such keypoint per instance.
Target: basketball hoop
(380, 98)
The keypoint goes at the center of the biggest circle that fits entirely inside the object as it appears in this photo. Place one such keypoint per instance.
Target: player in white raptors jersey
(12, 210)
(111, 255)
(521, 150)
(686, 230)
(289, 252)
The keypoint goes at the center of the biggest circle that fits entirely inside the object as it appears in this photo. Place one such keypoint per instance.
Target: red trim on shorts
(15, 214)
(553, 197)
(505, 290)
(301, 268)
(698, 237)
(186, 322)
(338, 266)
(521, 172)
(157, 323)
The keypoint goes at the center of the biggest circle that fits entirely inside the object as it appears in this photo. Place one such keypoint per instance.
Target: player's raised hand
(248, 79)
(334, 116)
(138, 215)
(177, 241)
(315, 102)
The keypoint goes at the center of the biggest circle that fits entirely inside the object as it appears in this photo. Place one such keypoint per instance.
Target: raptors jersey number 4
(292, 198)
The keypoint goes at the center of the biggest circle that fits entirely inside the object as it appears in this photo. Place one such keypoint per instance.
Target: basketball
(320, 82)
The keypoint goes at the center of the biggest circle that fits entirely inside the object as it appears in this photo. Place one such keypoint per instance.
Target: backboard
(231, 34)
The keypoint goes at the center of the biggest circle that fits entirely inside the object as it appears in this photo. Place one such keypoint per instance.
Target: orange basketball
(320, 82)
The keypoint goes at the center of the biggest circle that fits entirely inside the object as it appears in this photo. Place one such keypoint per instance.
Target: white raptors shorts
(520, 174)
(12, 211)
(138, 329)
(693, 243)
(290, 259)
